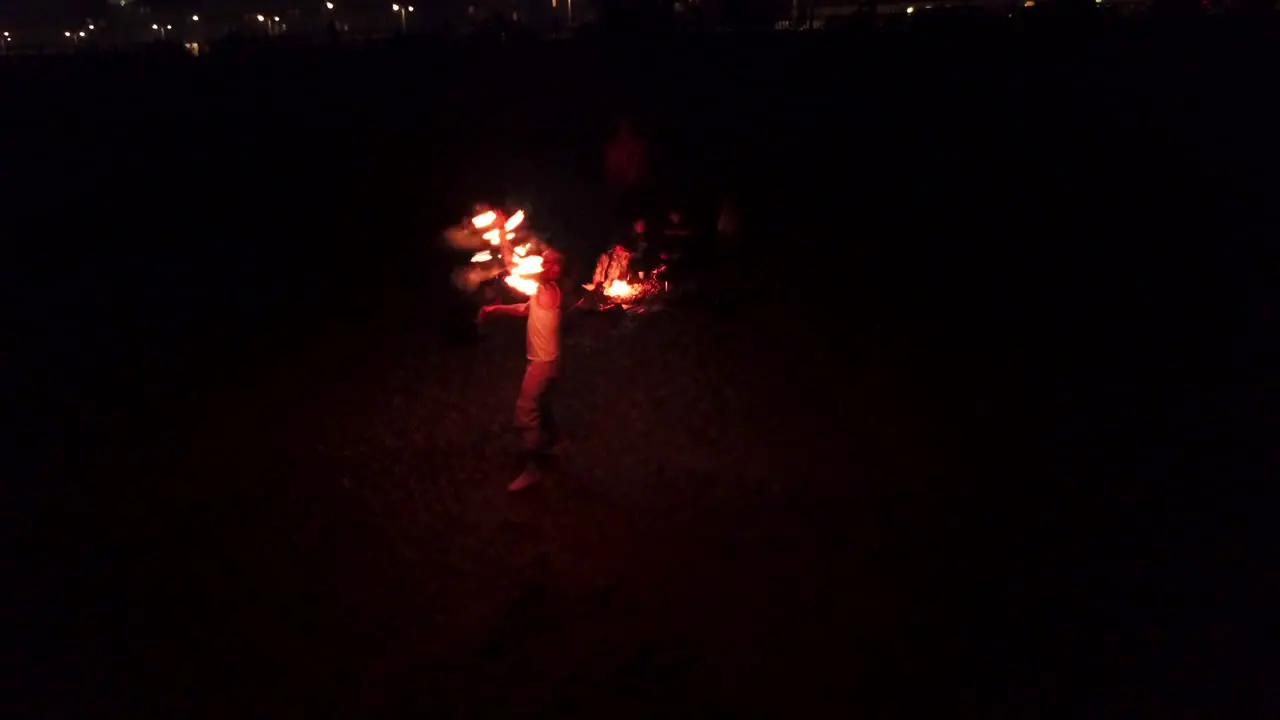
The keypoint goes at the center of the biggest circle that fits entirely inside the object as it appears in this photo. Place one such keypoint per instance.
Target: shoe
(526, 479)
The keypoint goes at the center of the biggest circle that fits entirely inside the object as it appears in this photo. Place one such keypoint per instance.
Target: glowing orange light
(493, 236)
(524, 285)
(621, 290)
(528, 265)
(484, 220)
(514, 221)
(520, 279)
(482, 256)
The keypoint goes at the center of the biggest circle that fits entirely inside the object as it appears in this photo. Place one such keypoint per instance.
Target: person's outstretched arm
(519, 309)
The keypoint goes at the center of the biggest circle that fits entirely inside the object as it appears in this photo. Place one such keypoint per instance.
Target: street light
(90, 26)
(195, 18)
(328, 6)
(272, 23)
(404, 23)
(163, 30)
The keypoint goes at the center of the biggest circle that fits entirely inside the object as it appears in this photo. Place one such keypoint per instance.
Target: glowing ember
(522, 250)
(482, 256)
(514, 221)
(493, 236)
(485, 219)
(511, 236)
(622, 290)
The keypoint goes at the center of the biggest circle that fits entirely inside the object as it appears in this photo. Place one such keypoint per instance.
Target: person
(533, 417)
(676, 236)
(626, 169)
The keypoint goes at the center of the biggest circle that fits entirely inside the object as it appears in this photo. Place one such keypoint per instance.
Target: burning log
(621, 290)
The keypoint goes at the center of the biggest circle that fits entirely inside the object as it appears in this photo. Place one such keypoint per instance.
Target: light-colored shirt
(544, 323)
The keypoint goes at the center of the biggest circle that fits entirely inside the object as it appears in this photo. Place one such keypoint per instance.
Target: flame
(621, 289)
(523, 266)
(519, 278)
(530, 265)
(523, 284)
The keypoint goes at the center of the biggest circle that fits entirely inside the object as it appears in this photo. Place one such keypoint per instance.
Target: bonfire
(618, 285)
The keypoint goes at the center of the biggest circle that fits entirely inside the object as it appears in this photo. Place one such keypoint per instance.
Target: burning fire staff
(533, 417)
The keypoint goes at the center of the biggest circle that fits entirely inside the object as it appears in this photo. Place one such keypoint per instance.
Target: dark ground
(985, 428)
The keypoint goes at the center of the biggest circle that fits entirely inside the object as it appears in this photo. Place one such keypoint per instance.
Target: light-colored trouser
(534, 419)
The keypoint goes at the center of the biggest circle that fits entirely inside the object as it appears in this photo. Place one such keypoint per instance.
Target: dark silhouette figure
(627, 172)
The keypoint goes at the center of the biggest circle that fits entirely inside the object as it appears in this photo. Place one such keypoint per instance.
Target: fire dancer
(533, 417)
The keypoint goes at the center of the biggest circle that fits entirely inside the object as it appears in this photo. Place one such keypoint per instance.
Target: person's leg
(552, 439)
(529, 419)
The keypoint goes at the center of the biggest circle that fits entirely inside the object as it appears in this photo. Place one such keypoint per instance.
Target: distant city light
(410, 8)
(329, 5)
(395, 7)
(90, 27)
(195, 18)
(155, 27)
(261, 19)
(81, 33)
(276, 19)
(67, 33)
(910, 10)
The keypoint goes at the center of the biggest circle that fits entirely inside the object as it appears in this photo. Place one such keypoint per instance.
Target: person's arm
(519, 309)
